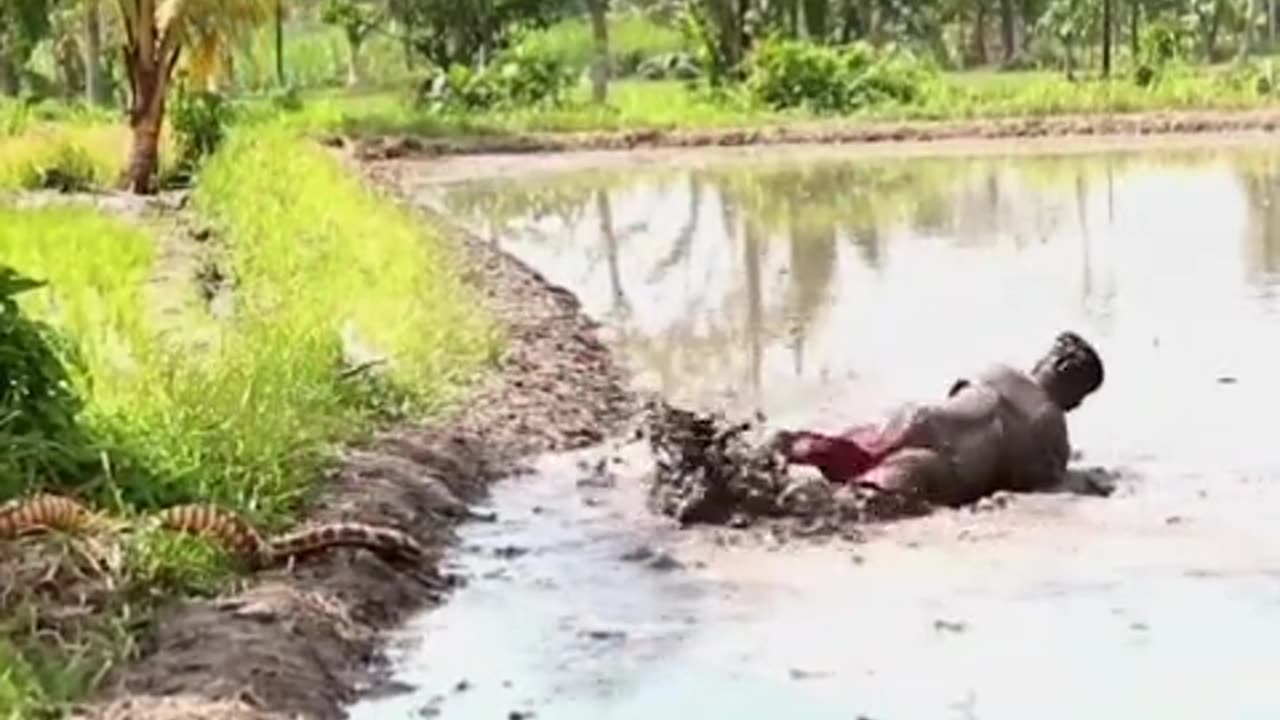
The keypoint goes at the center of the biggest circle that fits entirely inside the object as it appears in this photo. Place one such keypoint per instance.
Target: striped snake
(44, 512)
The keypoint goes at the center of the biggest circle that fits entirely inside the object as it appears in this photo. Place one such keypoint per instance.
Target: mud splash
(710, 469)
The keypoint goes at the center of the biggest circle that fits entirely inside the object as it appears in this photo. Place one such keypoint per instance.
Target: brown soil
(827, 132)
(304, 642)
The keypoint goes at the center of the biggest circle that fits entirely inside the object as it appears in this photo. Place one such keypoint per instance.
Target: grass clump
(174, 404)
(62, 157)
(310, 240)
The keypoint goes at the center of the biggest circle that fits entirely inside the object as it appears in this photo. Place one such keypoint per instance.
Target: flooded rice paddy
(820, 293)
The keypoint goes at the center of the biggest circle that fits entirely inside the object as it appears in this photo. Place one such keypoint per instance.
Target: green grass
(88, 144)
(242, 412)
(669, 105)
(633, 39)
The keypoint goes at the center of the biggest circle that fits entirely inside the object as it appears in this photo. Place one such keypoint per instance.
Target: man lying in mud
(1002, 429)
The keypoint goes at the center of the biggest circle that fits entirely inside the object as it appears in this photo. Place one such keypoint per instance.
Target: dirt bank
(1011, 132)
(303, 643)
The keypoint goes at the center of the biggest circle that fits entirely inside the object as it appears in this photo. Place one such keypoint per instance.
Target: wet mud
(714, 470)
(304, 641)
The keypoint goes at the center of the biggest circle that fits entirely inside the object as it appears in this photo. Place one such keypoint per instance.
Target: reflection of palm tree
(1262, 229)
(813, 263)
(1082, 215)
(684, 239)
(621, 307)
(755, 303)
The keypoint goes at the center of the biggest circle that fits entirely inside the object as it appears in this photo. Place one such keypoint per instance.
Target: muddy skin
(305, 642)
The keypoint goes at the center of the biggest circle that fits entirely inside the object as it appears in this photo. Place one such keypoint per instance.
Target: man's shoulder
(1017, 388)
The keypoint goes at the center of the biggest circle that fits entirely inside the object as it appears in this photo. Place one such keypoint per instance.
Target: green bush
(517, 79)
(40, 435)
(785, 74)
(1164, 46)
(200, 120)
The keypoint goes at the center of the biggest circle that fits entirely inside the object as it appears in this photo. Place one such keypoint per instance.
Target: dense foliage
(788, 74)
(517, 79)
(40, 434)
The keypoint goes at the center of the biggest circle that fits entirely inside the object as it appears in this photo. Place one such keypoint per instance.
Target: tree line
(129, 51)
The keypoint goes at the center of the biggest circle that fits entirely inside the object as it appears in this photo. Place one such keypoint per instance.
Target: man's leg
(911, 471)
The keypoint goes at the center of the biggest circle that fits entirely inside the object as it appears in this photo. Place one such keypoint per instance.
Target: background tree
(95, 86)
(279, 28)
(599, 10)
(23, 24)
(156, 33)
(357, 19)
(469, 32)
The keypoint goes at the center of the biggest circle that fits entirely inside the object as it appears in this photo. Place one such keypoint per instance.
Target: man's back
(1035, 441)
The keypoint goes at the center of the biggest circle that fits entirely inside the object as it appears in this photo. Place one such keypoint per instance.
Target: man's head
(1070, 371)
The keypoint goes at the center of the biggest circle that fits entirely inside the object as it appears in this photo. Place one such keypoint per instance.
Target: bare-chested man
(1003, 429)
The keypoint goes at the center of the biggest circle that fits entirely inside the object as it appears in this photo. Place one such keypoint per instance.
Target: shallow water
(821, 293)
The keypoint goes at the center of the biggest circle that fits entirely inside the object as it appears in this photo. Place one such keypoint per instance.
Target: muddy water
(820, 293)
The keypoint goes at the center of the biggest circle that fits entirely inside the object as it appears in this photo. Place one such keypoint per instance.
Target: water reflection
(820, 292)
(817, 291)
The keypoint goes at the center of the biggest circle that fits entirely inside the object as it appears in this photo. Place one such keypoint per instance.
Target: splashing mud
(711, 469)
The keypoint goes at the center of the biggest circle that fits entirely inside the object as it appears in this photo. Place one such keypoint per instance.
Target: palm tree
(156, 34)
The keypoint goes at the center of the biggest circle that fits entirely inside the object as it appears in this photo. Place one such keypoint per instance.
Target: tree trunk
(93, 78)
(280, 43)
(600, 39)
(978, 42)
(353, 62)
(1135, 27)
(9, 85)
(815, 20)
(1271, 22)
(849, 22)
(1211, 31)
(1007, 30)
(1106, 37)
(146, 118)
(1250, 14)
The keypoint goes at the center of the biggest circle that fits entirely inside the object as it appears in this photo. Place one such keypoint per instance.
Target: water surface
(820, 293)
